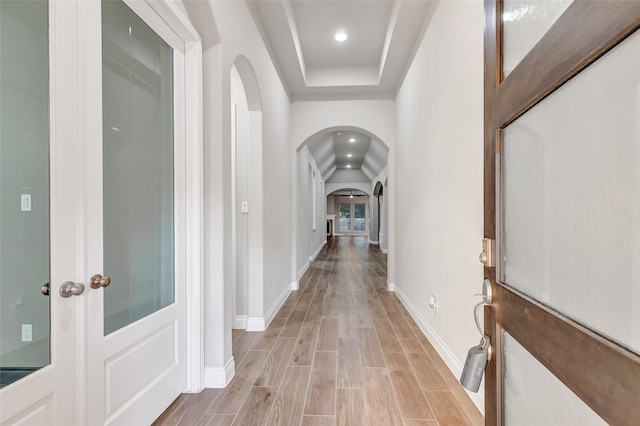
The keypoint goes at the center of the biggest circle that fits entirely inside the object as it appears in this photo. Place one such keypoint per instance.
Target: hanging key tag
(475, 364)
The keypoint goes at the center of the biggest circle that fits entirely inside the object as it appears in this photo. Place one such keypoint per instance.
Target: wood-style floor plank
(322, 360)
(370, 352)
(256, 407)
(289, 403)
(265, 340)
(321, 395)
(349, 366)
(318, 421)
(386, 335)
(294, 324)
(445, 408)
(328, 335)
(349, 404)
(216, 420)
(381, 405)
(426, 372)
(412, 404)
(276, 364)
(233, 396)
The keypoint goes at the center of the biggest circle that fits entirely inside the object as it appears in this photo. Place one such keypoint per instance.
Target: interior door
(562, 189)
(39, 347)
(100, 184)
(135, 209)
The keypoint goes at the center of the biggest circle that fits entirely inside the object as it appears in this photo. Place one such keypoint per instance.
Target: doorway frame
(585, 32)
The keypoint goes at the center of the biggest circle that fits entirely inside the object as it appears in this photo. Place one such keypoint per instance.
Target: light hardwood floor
(341, 351)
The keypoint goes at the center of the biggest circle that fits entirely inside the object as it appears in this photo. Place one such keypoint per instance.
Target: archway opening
(347, 162)
(246, 194)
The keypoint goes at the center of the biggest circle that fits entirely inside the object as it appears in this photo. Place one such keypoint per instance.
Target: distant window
(352, 217)
(359, 217)
(344, 221)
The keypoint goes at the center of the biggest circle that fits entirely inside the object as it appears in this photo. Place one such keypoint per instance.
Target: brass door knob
(98, 281)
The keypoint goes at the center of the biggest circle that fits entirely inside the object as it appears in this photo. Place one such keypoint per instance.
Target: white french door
(125, 221)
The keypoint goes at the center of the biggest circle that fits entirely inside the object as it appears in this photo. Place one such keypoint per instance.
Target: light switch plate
(244, 207)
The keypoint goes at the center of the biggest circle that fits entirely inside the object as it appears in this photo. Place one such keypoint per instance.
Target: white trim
(294, 285)
(271, 313)
(385, 251)
(317, 252)
(440, 346)
(256, 324)
(391, 286)
(303, 270)
(261, 324)
(375, 243)
(220, 377)
(240, 322)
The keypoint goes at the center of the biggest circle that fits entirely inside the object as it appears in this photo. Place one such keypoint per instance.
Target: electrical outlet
(25, 202)
(27, 332)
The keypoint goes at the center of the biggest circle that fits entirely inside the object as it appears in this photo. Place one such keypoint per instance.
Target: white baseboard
(240, 322)
(271, 313)
(385, 251)
(256, 324)
(219, 377)
(261, 324)
(375, 243)
(440, 346)
(295, 285)
(317, 252)
(303, 270)
(391, 286)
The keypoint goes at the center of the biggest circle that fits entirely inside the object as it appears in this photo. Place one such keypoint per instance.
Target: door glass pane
(571, 198)
(359, 217)
(344, 221)
(533, 396)
(24, 188)
(137, 68)
(524, 23)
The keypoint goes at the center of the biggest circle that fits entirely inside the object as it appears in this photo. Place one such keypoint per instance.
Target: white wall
(238, 35)
(310, 240)
(439, 204)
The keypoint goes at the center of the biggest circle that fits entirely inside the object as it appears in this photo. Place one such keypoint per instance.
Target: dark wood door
(603, 373)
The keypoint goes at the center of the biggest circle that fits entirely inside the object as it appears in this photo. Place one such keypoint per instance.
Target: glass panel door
(138, 167)
(24, 189)
(534, 396)
(359, 215)
(571, 185)
(344, 220)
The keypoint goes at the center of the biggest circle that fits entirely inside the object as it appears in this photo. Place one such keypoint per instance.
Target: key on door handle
(69, 288)
(98, 281)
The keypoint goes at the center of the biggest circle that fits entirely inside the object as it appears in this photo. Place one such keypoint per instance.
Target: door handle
(69, 288)
(98, 281)
(45, 289)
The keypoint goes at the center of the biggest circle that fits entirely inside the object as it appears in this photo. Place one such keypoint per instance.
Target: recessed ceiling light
(352, 140)
(339, 133)
(349, 155)
(340, 36)
(348, 166)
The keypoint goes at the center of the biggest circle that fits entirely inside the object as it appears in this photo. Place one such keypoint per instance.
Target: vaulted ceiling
(382, 37)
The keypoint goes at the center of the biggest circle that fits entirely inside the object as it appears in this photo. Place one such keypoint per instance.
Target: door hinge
(487, 256)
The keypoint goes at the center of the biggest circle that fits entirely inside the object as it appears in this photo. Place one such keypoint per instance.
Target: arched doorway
(246, 194)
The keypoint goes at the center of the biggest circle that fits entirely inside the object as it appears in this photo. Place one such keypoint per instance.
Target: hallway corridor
(341, 351)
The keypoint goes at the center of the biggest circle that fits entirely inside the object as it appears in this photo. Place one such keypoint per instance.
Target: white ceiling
(383, 36)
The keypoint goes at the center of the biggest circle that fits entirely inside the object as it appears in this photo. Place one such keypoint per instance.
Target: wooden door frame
(611, 387)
